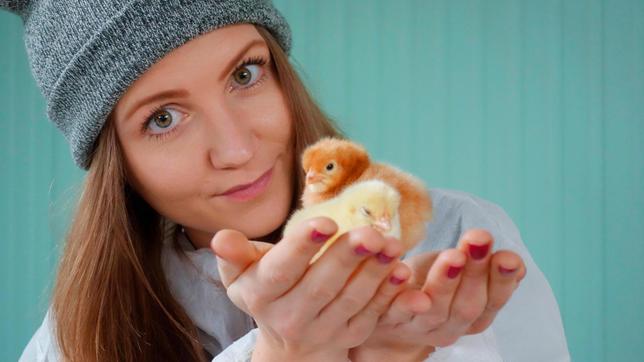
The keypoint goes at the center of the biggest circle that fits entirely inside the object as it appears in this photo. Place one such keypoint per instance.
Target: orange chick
(332, 164)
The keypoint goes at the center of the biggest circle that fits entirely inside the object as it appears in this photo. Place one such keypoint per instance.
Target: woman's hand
(311, 312)
(453, 293)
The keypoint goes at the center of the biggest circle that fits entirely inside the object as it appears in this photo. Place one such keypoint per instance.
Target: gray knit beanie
(84, 54)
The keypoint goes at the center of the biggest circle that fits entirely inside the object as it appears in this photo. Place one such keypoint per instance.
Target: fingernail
(479, 252)
(361, 250)
(384, 259)
(505, 271)
(396, 281)
(318, 237)
(453, 271)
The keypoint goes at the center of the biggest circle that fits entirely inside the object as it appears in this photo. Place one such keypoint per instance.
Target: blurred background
(537, 106)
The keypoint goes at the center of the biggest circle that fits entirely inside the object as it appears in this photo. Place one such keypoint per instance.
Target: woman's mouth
(250, 191)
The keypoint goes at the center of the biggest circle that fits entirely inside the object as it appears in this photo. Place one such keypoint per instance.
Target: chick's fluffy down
(372, 203)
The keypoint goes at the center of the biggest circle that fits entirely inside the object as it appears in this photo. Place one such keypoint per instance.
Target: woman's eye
(162, 120)
(247, 75)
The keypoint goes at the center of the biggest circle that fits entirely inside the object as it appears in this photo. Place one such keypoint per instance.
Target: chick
(332, 164)
(371, 202)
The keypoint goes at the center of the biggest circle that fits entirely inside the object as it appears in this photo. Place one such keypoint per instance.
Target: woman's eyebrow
(236, 59)
(157, 96)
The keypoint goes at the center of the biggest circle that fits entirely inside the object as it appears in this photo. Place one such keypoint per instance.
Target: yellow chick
(370, 202)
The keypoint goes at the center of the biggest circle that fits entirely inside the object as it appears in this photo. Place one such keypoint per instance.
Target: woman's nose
(232, 141)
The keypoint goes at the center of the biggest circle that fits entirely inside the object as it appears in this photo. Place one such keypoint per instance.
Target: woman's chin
(269, 233)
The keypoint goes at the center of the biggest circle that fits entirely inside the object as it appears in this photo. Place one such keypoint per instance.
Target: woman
(189, 121)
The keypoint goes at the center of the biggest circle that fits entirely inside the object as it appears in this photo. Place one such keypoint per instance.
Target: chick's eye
(247, 74)
(365, 211)
(162, 120)
(329, 166)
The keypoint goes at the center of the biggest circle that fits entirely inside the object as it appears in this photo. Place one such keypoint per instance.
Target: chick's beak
(383, 224)
(312, 177)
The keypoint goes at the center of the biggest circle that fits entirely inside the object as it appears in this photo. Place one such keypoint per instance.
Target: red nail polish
(318, 237)
(453, 271)
(396, 281)
(479, 252)
(384, 259)
(361, 250)
(505, 271)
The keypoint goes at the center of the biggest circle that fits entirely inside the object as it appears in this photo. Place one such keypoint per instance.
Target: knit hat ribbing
(84, 54)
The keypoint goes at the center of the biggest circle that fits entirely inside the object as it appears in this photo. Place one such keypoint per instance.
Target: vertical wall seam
(562, 144)
(448, 113)
(484, 154)
(602, 70)
(522, 130)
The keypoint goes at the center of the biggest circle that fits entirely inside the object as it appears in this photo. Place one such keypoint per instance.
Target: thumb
(235, 253)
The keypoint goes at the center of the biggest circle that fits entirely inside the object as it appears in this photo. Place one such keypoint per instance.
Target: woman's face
(199, 125)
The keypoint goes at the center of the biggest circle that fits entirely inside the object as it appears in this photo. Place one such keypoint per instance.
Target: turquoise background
(535, 105)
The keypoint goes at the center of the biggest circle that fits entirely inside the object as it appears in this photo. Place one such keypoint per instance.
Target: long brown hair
(111, 301)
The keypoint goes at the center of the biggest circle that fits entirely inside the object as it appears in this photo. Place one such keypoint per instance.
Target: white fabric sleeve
(239, 351)
(529, 326)
(480, 347)
(474, 348)
(42, 347)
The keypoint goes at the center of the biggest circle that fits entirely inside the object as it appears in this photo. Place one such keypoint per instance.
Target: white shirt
(527, 329)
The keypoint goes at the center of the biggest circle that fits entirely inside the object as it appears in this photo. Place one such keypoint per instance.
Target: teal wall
(535, 105)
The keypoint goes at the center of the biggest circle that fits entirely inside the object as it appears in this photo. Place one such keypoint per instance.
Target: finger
(327, 276)
(363, 284)
(368, 317)
(288, 260)
(234, 254)
(471, 295)
(505, 270)
(521, 274)
(420, 264)
(441, 285)
(406, 304)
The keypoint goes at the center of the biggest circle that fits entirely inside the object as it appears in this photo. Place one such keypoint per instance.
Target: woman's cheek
(165, 174)
(272, 109)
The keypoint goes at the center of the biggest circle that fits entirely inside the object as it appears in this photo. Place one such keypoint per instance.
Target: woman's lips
(250, 191)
